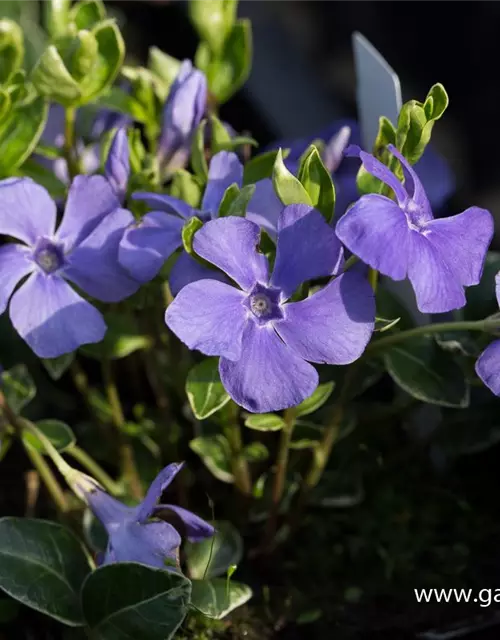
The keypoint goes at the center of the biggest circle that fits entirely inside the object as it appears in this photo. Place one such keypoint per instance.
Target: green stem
(241, 473)
(94, 469)
(48, 478)
(440, 327)
(69, 141)
(127, 461)
(280, 473)
(373, 279)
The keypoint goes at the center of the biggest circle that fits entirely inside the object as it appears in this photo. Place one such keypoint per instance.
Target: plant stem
(69, 141)
(440, 327)
(322, 453)
(48, 478)
(127, 461)
(280, 473)
(241, 472)
(95, 469)
(373, 279)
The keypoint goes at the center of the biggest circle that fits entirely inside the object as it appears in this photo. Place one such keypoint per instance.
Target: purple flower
(45, 310)
(182, 113)
(146, 245)
(433, 171)
(117, 167)
(488, 363)
(135, 534)
(402, 239)
(264, 340)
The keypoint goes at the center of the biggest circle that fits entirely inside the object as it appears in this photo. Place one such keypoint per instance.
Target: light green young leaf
(204, 390)
(217, 598)
(193, 225)
(264, 422)
(316, 400)
(318, 183)
(215, 454)
(288, 188)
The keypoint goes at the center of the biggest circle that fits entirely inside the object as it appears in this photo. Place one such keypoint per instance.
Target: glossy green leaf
(18, 387)
(186, 187)
(261, 166)
(316, 400)
(238, 205)
(88, 13)
(43, 566)
(117, 99)
(427, 373)
(204, 390)
(255, 452)
(215, 454)
(53, 80)
(56, 17)
(57, 432)
(264, 422)
(217, 598)
(213, 20)
(219, 135)
(149, 604)
(213, 556)
(11, 49)
(288, 188)
(317, 181)
(193, 225)
(19, 134)
(230, 194)
(164, 66)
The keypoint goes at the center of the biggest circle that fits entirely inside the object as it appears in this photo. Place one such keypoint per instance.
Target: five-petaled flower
(182, 113)
(488, 363)
(136, 534)
(46, 311)
(402, 238)
(265, 341)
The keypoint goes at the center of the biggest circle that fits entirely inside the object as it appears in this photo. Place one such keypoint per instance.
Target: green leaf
(19, 134)
(186, 187)
(56, 17)
(216, 598)
(264, 422)
(215, 454)
(213, 20)
(117, 99)
(213, 556)
(230, 194)
(318, 183)
(53, 80)
(288, 189)
(261, 166)
(386, 135)
(219, 134)
(11, 49)
(255, 452)
(316, 400)
(193, 225)
(198, 159)
(57, 432)
(122, 338)
(44, 176)
(88, 13)
(18, 387)
(205, 391)
(164, 66)
(56, 367)
(427, 373)
(149, 603)
(43, 566)
(227, 71)
(238, 205)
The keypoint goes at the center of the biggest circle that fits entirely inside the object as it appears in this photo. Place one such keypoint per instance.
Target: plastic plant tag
(378, 90)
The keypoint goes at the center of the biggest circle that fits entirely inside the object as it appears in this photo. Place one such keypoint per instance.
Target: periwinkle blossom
(147, 244)
(488, 363)
(402, 239)
(117, 165)
(45, 310)
(136, 534)
(184, 108)
(265, 341)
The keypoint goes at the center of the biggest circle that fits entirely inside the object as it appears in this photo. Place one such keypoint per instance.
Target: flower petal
(488, 367)
(117, 168)
(52, 318)
(164, 202)
(413, 185)
(186, 270)
(151, 544)
(307, 248)
(268, 376)
(231, 244)
(107, 509)
(265, 207)
(335, 324)
(225, 169)
(437, 287)
(376, 230)
(94, 266)
(90, 199)
(14, 265)
(209, 316)
(160, 483)
(196, 528)
(145, 247)
(26, 210)
(462, 242)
